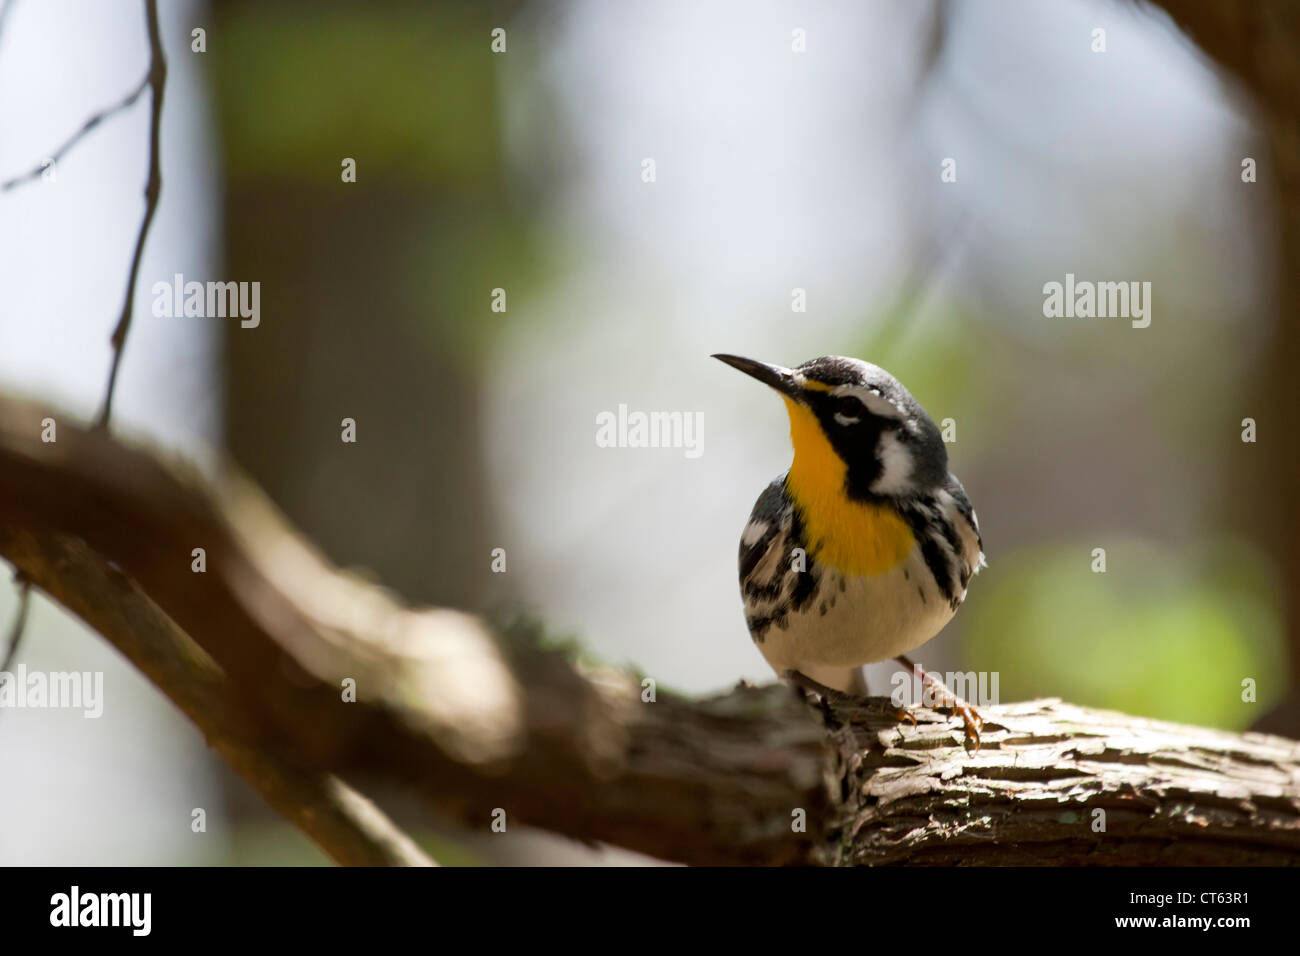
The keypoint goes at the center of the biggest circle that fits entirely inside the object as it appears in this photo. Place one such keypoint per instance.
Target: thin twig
(156, 79)
(34, 173)
(24, 588)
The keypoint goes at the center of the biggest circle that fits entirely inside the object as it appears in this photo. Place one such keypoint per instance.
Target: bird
(863, 550)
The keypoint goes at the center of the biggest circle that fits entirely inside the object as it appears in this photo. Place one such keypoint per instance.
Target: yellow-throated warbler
(863, 550)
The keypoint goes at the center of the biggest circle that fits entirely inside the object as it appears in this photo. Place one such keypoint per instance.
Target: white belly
(872, 619)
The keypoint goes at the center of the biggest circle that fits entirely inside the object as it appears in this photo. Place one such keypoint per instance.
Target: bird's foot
(944, 699)
(823, 693)
(827, 694)
(970, 719)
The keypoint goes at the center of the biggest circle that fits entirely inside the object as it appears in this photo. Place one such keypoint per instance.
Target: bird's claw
(971, 720)
(902, 713)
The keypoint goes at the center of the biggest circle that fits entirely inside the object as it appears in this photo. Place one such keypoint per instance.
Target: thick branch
(1056, 784)
(476, 720)
(474, 724)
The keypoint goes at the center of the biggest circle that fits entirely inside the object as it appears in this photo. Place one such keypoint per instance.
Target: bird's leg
(800, 679)
(810, 686)
(947, 700)
(803, 681)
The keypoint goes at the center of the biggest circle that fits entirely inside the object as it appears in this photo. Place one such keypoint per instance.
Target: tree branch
(475, 720)
(1056, 784)
(346, 825)
(473, 723)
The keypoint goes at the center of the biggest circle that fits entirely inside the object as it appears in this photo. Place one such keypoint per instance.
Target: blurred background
(795, 146)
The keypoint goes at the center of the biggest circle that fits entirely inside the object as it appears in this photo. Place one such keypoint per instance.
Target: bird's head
(854, 427)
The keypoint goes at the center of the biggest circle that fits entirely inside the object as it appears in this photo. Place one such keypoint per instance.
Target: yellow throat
(855, 538)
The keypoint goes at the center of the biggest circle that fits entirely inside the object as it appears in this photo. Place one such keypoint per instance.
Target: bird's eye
(848, 411)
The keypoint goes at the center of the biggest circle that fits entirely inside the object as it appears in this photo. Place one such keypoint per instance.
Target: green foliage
(1162, 633)
(406, 89)
(523, 633)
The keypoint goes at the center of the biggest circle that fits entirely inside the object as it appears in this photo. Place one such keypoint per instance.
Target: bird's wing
(766, 527)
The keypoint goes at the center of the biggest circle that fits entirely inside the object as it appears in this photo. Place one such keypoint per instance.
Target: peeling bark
(1054, 783)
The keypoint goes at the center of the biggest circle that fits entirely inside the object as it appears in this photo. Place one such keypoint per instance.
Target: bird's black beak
(782, 379)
